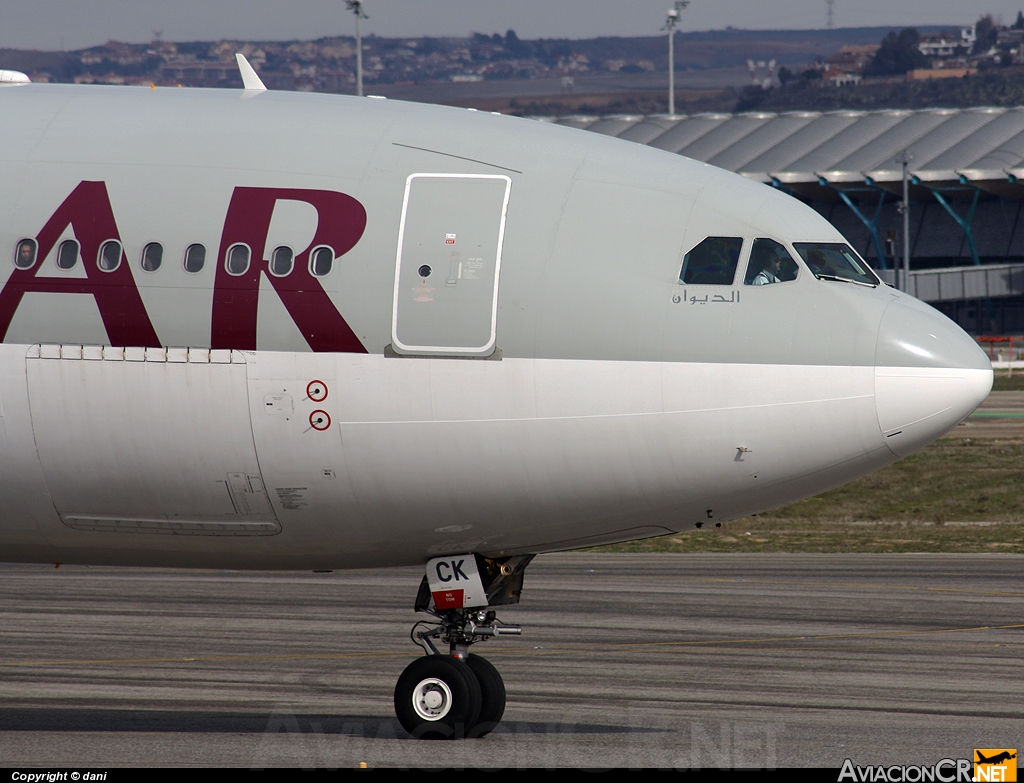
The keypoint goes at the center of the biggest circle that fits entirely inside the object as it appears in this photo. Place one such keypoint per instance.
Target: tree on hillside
(986, 33)
(514, 45)
(1019, 24)
(898, 54)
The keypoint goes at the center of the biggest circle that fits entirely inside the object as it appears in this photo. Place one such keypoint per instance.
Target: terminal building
(966, 174)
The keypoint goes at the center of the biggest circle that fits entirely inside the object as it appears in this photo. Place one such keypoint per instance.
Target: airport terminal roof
(815, 154)
(958, 155)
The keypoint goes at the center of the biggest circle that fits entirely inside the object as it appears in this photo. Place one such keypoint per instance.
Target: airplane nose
(929, 375)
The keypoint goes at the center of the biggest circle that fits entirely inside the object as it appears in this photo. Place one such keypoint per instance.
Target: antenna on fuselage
(250, 80)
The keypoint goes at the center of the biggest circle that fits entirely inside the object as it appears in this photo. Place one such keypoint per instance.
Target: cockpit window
(770, 262)
(835, 261)
(712, 262)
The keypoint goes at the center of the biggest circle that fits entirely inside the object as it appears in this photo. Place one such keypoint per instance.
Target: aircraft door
(449, 259)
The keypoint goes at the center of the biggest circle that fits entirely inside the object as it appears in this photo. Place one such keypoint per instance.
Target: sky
(76, 24)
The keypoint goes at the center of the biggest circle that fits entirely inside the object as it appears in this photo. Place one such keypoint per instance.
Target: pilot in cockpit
(769, 263)
(769, 273)
(816, 261)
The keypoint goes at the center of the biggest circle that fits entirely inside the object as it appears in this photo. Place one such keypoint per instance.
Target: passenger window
(237, 262)
(195, 258)
(110, 256)
(152, 256)
(282, 261)
(712, 262)
(321, 261)
(25, 257)
(770, 262)
(67, 254)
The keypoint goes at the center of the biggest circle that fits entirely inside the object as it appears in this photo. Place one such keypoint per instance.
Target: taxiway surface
(626, 660)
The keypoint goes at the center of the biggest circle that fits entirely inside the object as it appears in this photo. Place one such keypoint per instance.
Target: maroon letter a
(87, 210)
(340, 223)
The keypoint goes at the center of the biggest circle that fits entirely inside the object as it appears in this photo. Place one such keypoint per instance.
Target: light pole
(904, 208)
(670, 25)
(356, 7)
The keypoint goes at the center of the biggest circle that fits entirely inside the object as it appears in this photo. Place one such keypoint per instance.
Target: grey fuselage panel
(593, 240)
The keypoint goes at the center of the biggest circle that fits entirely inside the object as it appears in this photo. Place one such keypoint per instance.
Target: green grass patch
(957, 495)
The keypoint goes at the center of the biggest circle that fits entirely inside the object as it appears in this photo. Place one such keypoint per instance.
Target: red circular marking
(320, 420)
(316, 391)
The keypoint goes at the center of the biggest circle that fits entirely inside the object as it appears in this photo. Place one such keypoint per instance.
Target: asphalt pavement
(665, 660)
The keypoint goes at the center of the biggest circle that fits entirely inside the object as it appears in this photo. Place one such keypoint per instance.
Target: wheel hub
(432, 699)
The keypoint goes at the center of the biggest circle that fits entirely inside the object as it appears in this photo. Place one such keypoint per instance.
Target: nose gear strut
(459, 628)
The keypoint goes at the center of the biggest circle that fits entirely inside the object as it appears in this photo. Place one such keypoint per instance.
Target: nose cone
(929, 375)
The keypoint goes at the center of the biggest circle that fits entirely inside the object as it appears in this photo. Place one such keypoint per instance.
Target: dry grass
(957, 495)
(1006, 382)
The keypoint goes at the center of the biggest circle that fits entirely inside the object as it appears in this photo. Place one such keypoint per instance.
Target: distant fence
(989, 281)
(1006, 351)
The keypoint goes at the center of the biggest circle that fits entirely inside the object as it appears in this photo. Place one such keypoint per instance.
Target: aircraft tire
(492, 692)
(438, 697)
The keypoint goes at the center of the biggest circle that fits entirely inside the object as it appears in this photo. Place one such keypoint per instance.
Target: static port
(425, 271)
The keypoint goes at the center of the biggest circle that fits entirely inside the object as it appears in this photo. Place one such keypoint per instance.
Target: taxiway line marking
(552, 648)
(739, 580)
(817, 637)
(205, 659)
(721, 579)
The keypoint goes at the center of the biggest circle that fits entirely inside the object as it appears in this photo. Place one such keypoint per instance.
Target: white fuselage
(548, 383)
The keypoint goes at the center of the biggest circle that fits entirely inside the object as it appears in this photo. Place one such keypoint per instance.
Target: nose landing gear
(458, 695)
